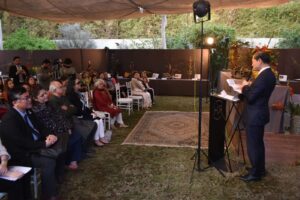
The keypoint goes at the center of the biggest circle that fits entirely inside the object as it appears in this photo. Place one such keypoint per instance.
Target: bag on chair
(56, 149)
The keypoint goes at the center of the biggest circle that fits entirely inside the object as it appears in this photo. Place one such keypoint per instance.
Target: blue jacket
(257, 97)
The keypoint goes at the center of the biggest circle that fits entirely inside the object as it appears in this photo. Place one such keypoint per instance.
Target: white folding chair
(36, 182)
(105, 116)
(137, 100)
(123, 103)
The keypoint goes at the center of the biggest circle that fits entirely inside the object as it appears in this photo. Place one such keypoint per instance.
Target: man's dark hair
(15, 93)
(16, 57)
(265, 57)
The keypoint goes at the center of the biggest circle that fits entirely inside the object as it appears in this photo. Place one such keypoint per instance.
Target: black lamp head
(201, 8)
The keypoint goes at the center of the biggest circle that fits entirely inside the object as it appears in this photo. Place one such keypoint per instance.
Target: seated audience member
(64, 81)
(102, 101)
(8, 85)
(110, 86)
(24, 137)
(27, 87)
(32, 82)
(50, 118)
(90, 70)
(58, 101)
(101, 76)
(87, 79)
(1, 84)
(123, 89)
(78, 100)
(145, 82)
(2, 100)
(14, 189)
(137, 88)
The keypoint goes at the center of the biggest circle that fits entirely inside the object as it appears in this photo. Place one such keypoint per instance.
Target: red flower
(292, 92)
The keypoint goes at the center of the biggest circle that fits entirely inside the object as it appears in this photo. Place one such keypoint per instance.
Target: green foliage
(223, 35)
(35, 27)
(294, 108)
(22, 40)
(263, 22)
(180, 41)
(291, 38)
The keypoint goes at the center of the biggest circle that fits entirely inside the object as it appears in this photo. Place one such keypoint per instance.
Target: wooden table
(176, 87)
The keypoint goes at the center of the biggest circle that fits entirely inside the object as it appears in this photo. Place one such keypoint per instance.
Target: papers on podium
(15, 172)
(236, 87)
(226, 96)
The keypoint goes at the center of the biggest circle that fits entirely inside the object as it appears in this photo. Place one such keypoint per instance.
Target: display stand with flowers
(294, 110)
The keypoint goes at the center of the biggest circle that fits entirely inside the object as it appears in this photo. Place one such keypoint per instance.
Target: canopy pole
(1, 41)
(163, 31)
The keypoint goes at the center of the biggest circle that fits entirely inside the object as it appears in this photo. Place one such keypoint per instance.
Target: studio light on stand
(201, 10)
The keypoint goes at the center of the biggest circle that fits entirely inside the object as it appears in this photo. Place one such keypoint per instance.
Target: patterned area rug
(169, 129)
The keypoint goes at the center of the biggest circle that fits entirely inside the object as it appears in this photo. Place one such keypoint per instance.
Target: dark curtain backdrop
(185, 62)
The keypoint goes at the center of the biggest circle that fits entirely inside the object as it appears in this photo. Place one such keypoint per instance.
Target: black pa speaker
(217, 123)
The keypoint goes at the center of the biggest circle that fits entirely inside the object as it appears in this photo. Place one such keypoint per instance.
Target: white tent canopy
(88, 10)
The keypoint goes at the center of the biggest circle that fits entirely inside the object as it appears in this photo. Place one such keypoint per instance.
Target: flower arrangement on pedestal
(294, 110)
(238, 60)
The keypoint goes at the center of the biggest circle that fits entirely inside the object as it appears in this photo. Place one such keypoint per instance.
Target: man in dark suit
(257, 95)
(18, 72)
(24, 137)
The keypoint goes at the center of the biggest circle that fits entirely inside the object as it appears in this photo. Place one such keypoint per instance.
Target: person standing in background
(17, 71)
(67, 69)
(57, 64)
(45, 74)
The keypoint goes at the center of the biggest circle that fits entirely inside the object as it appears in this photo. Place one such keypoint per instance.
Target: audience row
(49, 124)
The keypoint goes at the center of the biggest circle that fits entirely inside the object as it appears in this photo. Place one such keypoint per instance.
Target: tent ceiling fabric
(88, 10)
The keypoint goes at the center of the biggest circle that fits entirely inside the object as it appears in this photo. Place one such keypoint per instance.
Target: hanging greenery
(22, 40)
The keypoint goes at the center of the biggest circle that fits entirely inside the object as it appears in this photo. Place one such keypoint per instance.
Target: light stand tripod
(201, 8)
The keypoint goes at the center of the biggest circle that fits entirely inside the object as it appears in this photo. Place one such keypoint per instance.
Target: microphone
(248, 78)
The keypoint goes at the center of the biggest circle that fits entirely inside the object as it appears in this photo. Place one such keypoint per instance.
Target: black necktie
(34, 131)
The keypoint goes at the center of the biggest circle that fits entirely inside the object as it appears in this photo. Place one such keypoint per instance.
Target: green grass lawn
(136, 172)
